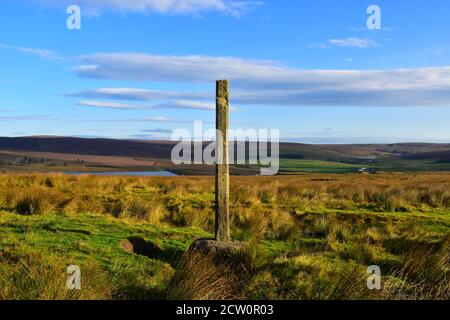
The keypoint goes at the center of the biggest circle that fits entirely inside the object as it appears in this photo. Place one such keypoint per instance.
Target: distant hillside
(100, 147)
(433, 155)
(162, 149)
(86, 154)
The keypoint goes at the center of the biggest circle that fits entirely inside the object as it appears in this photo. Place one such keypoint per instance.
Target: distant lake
(135, 173)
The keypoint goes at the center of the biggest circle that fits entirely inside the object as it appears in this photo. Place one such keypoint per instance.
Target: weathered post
(222, 227)
(221, 247)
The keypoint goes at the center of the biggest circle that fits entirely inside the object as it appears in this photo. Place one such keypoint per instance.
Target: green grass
(326, 259)
(413, 166)
(386, 165)
(90, 238)
(317, 166)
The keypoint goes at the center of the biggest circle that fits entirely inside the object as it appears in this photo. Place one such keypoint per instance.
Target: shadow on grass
(140, 246)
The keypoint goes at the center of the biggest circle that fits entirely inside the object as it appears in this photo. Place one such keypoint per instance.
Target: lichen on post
(222, 226)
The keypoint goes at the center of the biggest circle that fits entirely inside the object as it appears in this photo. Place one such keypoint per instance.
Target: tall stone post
(222, 228)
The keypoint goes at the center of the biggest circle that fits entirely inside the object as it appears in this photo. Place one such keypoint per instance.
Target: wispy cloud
(269, 83)
(157, 131)
(41, 53)
(230, 7)
(25, 117)
(178, 104)
(149, 136)
(184, 104)
(160, 119)
(138, 94)
(107, 105)
(156, 119)
(360, 140)
(353, 42)
(368, 30)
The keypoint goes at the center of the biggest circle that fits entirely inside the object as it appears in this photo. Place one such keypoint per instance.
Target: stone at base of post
(218, 249)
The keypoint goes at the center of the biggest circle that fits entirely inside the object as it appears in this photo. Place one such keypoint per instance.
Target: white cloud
(158, 131)
(159, 119)
(145, 67)
(177, 104)
(41, 53)
(269, 83)
(150, 119)
(185, 104)
(138, 94)
(232, 7)
(107, 105)
(353, 42)
(25, 117)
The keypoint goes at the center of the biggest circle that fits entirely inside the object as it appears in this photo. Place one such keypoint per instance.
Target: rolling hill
(112, 154)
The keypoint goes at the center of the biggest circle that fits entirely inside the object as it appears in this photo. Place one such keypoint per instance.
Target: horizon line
(287, 141)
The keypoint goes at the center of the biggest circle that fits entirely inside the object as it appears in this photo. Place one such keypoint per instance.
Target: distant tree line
(292, 156)
(26, 161)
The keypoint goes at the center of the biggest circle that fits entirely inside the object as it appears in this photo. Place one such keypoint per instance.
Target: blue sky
(139, 69)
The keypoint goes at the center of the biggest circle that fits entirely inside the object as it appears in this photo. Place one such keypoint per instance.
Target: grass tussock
(32, 276)
(200, 276)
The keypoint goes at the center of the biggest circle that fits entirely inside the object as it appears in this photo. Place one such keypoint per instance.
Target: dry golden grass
(189, 200)
(202, 277)
(32, 276)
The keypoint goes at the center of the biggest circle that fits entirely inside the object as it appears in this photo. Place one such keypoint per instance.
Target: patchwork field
(312, 236)
(66, 154)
